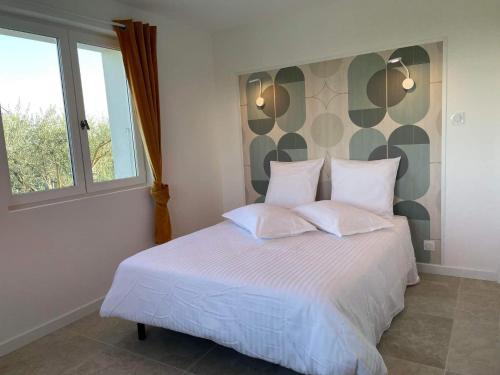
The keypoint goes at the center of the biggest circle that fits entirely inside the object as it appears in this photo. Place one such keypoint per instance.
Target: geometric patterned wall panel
(354, 108)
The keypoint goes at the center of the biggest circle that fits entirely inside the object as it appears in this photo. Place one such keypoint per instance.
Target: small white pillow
(268, 221)
(293, 183)
(365, 184)
(341, 219)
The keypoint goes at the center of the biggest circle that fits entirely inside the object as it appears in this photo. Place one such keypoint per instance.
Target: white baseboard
(458, 271)
(33, 334)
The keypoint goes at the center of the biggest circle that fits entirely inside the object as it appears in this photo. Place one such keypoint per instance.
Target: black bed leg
(141, 331)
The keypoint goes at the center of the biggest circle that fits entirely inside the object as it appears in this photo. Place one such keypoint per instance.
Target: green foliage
(100, 150)
(38, 150)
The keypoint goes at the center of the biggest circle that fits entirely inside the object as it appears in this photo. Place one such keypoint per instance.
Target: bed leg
(141, 331)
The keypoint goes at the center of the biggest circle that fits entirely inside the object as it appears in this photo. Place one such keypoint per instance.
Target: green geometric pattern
(354, 108)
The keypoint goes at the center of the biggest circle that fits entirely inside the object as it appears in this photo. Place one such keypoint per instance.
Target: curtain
(138, 47)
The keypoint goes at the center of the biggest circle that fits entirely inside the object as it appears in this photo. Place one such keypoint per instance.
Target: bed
(315, 303)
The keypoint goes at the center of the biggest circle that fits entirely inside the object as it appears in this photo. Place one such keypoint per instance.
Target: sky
(30, 73)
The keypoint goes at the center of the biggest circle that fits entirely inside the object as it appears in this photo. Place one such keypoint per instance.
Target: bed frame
(141, 331)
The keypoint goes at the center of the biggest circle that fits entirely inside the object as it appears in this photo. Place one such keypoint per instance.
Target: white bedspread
(315, 303)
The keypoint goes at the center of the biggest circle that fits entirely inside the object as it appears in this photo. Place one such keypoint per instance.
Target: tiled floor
(450, 326)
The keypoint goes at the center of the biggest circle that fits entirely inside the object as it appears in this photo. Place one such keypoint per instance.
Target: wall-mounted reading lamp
(408, 83)
(260, 100)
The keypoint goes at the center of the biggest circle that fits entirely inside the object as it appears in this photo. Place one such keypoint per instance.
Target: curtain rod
(65, 21)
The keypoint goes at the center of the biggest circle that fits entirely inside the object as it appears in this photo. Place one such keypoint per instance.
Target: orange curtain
(138, 47)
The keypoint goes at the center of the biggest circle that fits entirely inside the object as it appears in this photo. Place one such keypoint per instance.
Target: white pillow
(365, 184)
(293, 183)
(341, 219)
(267, 221)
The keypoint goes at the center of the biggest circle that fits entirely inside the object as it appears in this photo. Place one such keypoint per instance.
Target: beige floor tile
(225, 361)
(396, 366)
(50, 355)
(173, 348)
(434, 295)
(480, 287)
(450, 281)
(431, 305)
(474, 348)
(112, 361)
(108, 330)
(435, 286)
(478, 307)
(418, 338)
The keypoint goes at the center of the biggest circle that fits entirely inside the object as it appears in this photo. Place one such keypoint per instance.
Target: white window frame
(92, 39)
(68, 38)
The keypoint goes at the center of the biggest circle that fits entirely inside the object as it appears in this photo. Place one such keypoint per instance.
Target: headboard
(354, 108)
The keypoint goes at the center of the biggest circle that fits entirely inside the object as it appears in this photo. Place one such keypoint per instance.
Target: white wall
(346, 27)
(57, 258)
(187, 89)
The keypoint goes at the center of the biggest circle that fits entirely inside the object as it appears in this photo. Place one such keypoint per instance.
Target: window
(107, 110)
(33, 113)
(67, 120)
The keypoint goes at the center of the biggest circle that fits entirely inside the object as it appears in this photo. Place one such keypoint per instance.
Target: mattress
(315, 303)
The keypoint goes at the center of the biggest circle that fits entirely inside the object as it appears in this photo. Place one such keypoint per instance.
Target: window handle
(84, 125)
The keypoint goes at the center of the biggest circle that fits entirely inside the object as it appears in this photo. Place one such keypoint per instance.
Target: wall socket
(458, 118)
(429, 245)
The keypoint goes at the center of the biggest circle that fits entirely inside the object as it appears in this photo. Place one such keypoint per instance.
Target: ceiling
(215, 15)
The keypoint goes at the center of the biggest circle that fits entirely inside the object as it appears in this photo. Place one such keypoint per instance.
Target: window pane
(33, 114)
(107, 108)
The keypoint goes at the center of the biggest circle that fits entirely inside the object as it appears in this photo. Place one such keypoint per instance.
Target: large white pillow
(268, 221)
(293, 183)
(341, 219)
(365, 184)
